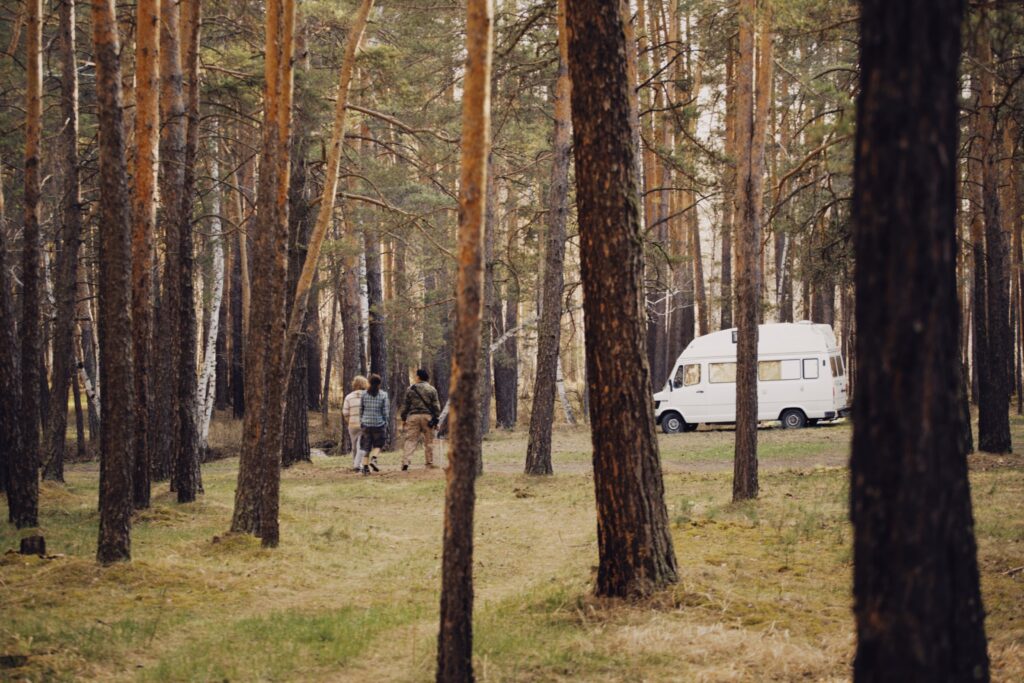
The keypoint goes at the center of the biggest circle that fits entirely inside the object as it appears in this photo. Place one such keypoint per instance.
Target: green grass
(353, 591)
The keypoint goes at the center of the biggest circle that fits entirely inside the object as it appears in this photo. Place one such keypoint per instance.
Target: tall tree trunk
(916, 596)
(994, 399)
(166, 348)
(82, 452)
(116, 449)
(549, 329)
(455, 641)
(750, 133)
(23, 493)
(295, 431)
(188, 478)
(728, 187)
(375, 294)
(147, 140)
(208, 378)
(634, 544)
(487, 327)
(257, 496)
(67, 257)
(237, 317)
(10, 425)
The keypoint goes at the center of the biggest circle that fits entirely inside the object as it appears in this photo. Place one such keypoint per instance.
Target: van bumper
(830, 414)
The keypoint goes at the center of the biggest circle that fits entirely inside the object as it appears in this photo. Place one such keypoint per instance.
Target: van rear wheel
(793, 418)
(672, 423)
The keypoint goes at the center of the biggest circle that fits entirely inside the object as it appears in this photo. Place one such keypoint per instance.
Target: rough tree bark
(23, 491)
(916, 597)
(67, 257)
(116, 451)
(257, 496)
(994, 389)
(455, 641)
(166, 348)
(728, 188)
(10, 426)
(188, 482)
(549, 329)
(749, 146)
(147, 140)
(634, 544)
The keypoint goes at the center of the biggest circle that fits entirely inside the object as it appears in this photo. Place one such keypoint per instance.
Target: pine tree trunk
(86, 350)
(994, 395)
(917, 602)
(166, 346)
(549, 329)
(67, 257)
(23, 490)
(728, 189)
(116, 447)
(147, 140)
(749, 145)
(634, 544)
(486, 327)
(295, 432)
(188, 481)
(455, 640)
(332, 342)
(351, 331)
(10, 426)
(237, 335)
(257, 496)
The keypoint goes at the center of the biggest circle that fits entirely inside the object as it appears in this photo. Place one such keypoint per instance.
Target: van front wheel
(672, 423)
(793, 419)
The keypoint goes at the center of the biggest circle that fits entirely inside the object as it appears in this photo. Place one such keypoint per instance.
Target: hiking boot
(373, 465)
(405, 468)
(366, 471)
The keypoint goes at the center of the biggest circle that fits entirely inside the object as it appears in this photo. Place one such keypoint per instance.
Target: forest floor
(352, 593)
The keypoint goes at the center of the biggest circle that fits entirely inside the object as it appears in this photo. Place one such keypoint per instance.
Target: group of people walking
(367, 412)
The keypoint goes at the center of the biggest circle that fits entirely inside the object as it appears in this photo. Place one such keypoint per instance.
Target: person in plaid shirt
(374, 410)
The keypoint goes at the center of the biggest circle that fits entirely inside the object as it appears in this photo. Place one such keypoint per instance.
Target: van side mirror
(676, 384)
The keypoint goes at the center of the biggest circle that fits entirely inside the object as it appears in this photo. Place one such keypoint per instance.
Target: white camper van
(800, 373)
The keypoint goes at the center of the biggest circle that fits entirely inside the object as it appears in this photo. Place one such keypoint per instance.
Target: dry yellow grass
(352, 593)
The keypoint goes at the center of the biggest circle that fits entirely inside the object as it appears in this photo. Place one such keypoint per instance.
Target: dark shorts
(374, 437)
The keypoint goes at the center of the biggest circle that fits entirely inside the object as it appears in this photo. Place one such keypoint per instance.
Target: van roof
(773, 338)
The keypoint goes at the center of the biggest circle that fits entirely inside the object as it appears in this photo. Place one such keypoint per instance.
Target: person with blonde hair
(350, 413)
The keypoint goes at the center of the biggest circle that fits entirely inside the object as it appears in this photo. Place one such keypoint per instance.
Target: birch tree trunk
(634, 544)
(917, 602)
(455, 641)
(207, 378)
(116, 449)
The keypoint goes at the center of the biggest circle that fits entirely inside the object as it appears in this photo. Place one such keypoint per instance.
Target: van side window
(772, 370)
(721, 373)
(810, 368)
(691, 374)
